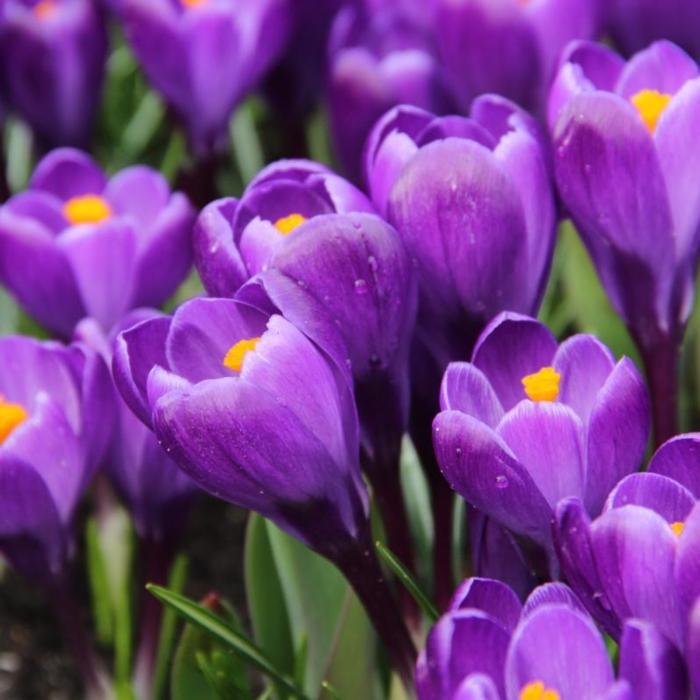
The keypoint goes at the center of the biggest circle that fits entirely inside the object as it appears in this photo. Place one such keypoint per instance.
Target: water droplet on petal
(501, 482)
(360, 286)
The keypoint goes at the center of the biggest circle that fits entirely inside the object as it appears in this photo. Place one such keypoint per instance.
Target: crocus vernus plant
(55, 417)
(528, 422)
(202, 56)
(234, 238)
(52, 56)
(626, 165)
(509, 47)
(378, 59)
(258, 416)
(77, 244)
(489, 646)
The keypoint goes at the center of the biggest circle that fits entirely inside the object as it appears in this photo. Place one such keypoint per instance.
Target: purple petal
(663, 66)
(462, 643)
(618, 431)
(216, 258)
(547, 439)
(650, 663)
(103, 260)
(687, 572)
(584, 364)
(635, 550)
(203, 331)
(465, 388)
(664, 496)
(66, 173)
(477, 686)
(138, 192)
(38, 205)
(693, 651)
(511, 347)
(563, 649)
(492, 597)
(679, 459)
(480, 467)
(553, 593)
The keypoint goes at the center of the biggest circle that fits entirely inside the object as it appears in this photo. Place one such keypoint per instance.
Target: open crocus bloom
(234, 239)
(488, 646)
(76, 244)
(55, 422)
(527, 423)
(253, 412)
(641, 556)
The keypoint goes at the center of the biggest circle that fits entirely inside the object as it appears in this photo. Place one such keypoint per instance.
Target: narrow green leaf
(245, 142)
(100, 596)
(407, 580)
(224, 632)
(330, 690)
(18, 153)
(166, 640)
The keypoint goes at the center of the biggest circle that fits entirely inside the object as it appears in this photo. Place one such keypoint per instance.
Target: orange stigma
(290, 223)
(542, 385)
(87, 209)
(650, 104)
(12, 415)
(677, 528)
(192, 3)
(538, 691)
(44, 8)
(237, 353)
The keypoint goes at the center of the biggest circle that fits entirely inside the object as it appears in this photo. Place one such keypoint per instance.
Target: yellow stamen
(290, 223)
(537, 691)
(650, 104)
(86, 209)
(542, 385)
(677, 528)
(12, 415)
(192, 3)
(237, 353)
(44, 8)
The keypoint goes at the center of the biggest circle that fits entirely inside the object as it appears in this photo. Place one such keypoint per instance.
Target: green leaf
(225, 633)
(266, 603)
(403, 575)
(101, 598)
(245, 143)
(9, 314)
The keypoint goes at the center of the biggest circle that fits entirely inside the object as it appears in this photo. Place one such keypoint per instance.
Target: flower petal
(476, 686)
(687, 571)
(68, 172)
(490, 596)
(552, 593)
(138, 192)
(679, 459)
(465, 388)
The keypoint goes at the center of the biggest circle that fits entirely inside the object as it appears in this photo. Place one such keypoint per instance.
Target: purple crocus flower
(379, 58)
(52, 55)
(55, 417)
(641, 556)
(488, 646)
(204, 55)
(509, 47)
(76, 244)
(626, 168)
(527, 423)
(258, 416)
(634, 25)
(234, 239)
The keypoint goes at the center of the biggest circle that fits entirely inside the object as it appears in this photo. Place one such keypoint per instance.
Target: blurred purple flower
(641, 556)
(75, 244)
(55, 422)
(528, 423)
(234, 239)
(509, 47)
(52, 56)
(626, 165)
(489, 647)
(379, 58)
(203, 56)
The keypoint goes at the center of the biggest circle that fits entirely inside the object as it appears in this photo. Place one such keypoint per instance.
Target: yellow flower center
(542, 385)
(290, 223)
(192, 3)
(237, 353)
(677, 528)
(86, 209)
(650, 104)
(12, 415)
(537, 691)
(44, 8)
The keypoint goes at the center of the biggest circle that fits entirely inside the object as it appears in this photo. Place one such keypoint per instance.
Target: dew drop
(360, 286)
(501, 482)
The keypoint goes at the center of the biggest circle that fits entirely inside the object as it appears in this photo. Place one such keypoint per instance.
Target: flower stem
(361, 568)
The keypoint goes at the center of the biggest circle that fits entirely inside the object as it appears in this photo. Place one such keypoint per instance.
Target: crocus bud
(509, 47)
(76, 244)
(52, 56)
(234, 239)
(527, 423)
(202, 56)
(55, 418)
(378, 59)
